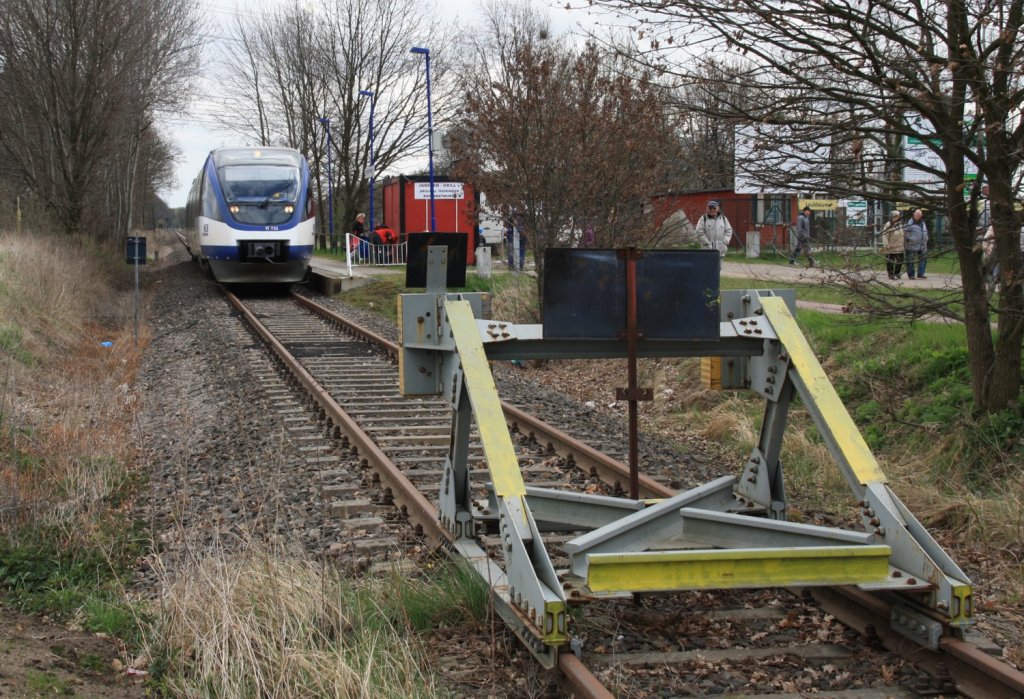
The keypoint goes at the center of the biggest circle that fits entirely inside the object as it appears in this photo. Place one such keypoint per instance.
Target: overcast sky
(195, 132)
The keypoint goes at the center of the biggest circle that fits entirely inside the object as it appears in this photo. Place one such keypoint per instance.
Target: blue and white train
(250, 215)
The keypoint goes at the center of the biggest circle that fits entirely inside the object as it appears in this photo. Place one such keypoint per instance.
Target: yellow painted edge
(730, 568)
(711, 373)
(557, 635)
(847, 437)
(483, 395)
(962, 593)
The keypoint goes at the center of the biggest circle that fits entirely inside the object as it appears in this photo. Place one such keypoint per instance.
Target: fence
(359, 251)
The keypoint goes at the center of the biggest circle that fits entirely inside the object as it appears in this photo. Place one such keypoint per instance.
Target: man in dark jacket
(915, 236)
(803, 237)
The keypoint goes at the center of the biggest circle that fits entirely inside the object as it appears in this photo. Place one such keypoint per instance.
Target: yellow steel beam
(730, 568)
(483, 395)
(835, 421)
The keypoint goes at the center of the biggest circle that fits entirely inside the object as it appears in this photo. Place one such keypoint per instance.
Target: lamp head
(325, 121)
(366, 93)
(420, 50)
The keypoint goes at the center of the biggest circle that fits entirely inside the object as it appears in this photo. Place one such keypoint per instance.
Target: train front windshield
(260, 193)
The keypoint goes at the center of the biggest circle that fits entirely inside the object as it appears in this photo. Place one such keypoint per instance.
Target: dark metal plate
(585, 294)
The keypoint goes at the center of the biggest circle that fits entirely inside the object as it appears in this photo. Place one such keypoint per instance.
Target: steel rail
(414, 505)
(611, 470)
(973, 672)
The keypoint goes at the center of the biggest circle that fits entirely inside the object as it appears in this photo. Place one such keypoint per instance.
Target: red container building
(406, 207)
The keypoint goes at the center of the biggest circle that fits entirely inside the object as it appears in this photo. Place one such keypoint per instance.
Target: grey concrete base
(329, 283)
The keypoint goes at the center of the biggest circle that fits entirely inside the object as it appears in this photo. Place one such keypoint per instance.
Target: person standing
(803, 237)
(915, 241)
(892, 245)
(713, 229)
(359, 237)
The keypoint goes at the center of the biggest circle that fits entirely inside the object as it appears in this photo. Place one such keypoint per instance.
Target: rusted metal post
(633, 334)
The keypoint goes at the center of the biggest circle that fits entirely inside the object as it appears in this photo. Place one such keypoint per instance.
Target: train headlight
(234, 208)
(289, 208)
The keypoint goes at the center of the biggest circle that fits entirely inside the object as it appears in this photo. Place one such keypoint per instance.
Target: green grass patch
(908, 388)
(11, 342)
(451, 596)
(44, 572)
(513, 295)
(47, 684)
(804, 292)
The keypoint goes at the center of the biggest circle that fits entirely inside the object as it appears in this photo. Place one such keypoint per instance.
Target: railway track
(762, 643)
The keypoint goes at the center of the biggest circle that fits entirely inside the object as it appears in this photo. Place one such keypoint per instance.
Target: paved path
(805, 275)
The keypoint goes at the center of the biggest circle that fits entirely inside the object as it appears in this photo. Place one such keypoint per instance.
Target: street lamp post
(330, 185)
(373, 101)
(430, 135)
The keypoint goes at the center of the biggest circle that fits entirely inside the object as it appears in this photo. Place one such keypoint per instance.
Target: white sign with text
(442, 190)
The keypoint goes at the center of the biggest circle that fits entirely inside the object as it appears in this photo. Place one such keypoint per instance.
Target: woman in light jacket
(892, 245)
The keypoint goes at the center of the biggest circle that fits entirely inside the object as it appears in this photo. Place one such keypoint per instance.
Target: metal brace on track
(729, 533)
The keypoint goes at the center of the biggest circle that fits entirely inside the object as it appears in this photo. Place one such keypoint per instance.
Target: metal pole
(136, 296)
(632, 393)
(631, 328)
(330, 186)
(430, 150)
(373, 170)
(430, 136)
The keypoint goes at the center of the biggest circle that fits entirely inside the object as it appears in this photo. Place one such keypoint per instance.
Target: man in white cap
(713, 229)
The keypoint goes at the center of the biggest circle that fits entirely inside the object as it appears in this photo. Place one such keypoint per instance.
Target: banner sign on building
(856, 212)
(817, 204)
(442, 190)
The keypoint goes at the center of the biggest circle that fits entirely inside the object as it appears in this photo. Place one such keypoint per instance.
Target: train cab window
(262, 193)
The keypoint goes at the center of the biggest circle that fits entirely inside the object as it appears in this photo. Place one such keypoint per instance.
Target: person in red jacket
(384, 240)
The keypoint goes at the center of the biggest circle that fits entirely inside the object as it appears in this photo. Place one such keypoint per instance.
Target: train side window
(310, 203)
(210, 207)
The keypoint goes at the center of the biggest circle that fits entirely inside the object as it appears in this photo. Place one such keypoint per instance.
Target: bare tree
(79, 81)
(839, 85)
(300, 65)
(707, 107)
(567, 140)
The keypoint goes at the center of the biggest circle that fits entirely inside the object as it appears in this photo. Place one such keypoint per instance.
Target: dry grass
(268, 624)
(515, 298)
(66, 403)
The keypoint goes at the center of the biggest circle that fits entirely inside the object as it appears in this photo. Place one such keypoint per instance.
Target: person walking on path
(915, 242)
(893, 246)
(713, 229)
(803, 237)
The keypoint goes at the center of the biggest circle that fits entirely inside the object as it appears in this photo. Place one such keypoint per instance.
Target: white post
(483, 262)
(753, 243)
(348, 252)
